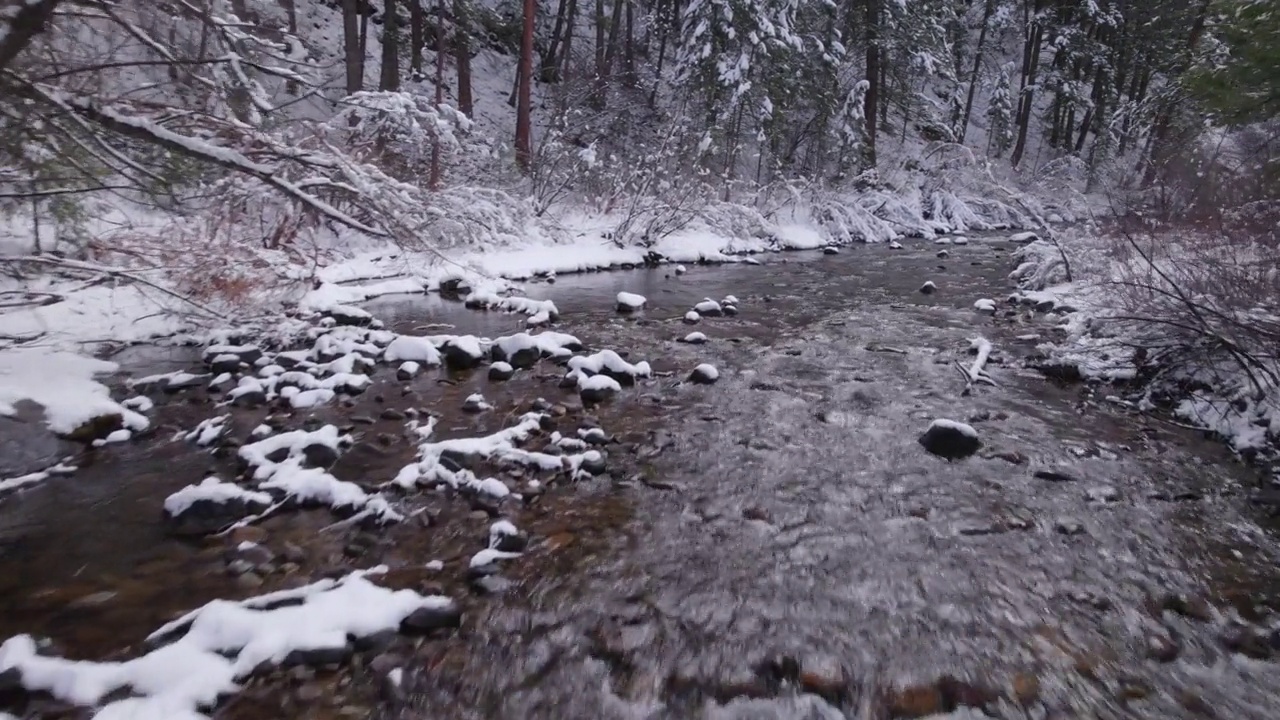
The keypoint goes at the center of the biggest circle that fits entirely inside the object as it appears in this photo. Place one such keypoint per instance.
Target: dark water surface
(776, 545)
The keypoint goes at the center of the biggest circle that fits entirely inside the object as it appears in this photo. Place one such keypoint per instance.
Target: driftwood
(976, 373)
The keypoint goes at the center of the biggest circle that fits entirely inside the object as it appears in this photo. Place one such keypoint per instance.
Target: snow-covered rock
(694, 338)
(597, 388)
(462, 352)
(985, 305)
(708, 308)
(704, 374)
(210, 506)
(895, 245)
(608, 362)
(691, 318)
(475, 403)
(950, 439)
(830, 250)
(410, 347)
(960, 240)
(680, 270)
(408, 370)
(501, 371)
(928, 288)
(1024, 237)
(943, 254)
(942, 241)
(630, 302)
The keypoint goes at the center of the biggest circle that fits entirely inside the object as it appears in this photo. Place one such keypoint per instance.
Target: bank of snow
(1098, 342)
(65, 385)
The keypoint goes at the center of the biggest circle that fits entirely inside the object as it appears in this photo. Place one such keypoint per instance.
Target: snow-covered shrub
(398, 131)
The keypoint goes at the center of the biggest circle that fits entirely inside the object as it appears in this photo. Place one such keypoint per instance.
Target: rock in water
(895, 245)
(704, 374)
(928, 288)
(691, 318)
(694, 338)
(630, 302)
(950, 439)
(500, 371)
(943, 254)
(830, 250)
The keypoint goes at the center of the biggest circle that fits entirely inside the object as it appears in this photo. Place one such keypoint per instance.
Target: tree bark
(1026, 89)
(987, 11)
(566, 61)
(389, 74)
(524, 107)
(417, 38)
(870, 101)
(435, 147)
(462, 52)
(547, 65)
(351, 46)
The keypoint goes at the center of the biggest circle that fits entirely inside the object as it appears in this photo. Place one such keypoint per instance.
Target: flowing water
(776, 545)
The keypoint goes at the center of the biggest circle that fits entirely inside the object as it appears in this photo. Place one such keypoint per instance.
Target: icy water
(776, 545)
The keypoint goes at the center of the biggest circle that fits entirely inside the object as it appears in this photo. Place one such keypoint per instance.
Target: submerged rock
(950, 439)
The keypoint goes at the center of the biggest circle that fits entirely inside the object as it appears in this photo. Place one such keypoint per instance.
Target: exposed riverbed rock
(501, 371)
(950, 439)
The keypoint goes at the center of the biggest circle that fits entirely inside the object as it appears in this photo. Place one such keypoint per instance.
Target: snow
(611, 361)
(488, 556)
(14, 483)
(1023, 237)
(410, 347)
(211, 489)
(409, 368)
(962, 428)
(692, 317)
(695, 338)
(63, 384)
(708, 307)
(221, 643)
(630, 301)
(436, 565)
(502, 367)
(986, 305)
(960, 240)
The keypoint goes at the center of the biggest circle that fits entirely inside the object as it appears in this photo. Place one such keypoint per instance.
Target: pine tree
(1000, 114)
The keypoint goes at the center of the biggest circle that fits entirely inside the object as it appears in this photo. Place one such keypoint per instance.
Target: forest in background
(174, 133)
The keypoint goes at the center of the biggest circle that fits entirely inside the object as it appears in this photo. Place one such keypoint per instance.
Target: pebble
(249, 581)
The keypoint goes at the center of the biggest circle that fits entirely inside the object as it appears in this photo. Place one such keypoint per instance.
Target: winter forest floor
(435, 520)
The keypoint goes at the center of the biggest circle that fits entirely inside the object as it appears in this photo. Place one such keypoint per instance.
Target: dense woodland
(445, 121)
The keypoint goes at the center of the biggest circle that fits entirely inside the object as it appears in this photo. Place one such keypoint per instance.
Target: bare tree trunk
(364, 43)
(462, 52)
(524, 108)
(1026, 87)
(597, 94)
(351, 46)
(667, 24)
(417, 38)
(987, 11)
(566, 62)
(389, 74)
(870, 107)
(611, 46)
(291, 15)
(629, 49)
(547, 66)
(435, 147)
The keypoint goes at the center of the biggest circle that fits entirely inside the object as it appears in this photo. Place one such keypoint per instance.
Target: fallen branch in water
(977, 373)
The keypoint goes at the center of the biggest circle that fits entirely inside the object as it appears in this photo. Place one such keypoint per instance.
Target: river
(775, 545)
